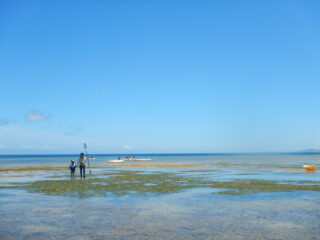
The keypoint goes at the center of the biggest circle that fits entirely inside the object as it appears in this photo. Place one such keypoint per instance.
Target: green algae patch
(240, 187)
(126, 183)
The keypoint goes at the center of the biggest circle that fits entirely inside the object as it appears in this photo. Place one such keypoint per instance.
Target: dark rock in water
(7, 236)
(38, 236)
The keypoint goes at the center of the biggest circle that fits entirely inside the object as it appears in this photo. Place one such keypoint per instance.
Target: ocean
(210, 158)
(174, 196)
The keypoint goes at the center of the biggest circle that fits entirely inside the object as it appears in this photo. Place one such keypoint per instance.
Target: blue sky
(159, 76)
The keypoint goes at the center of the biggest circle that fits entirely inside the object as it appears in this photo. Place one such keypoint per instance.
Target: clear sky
(159, 76)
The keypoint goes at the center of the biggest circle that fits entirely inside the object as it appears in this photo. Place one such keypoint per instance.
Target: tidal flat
(160, 201)
(125, 182)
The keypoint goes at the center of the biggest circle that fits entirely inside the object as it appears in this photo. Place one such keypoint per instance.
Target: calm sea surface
(218, 158)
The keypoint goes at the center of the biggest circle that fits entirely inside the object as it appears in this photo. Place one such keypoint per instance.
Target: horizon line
(175, 153)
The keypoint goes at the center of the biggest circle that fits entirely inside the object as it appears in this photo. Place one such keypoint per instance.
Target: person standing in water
(72, 168)
(82, 164)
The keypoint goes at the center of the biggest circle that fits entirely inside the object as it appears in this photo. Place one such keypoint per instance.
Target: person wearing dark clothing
(72, 168)
(82, 164)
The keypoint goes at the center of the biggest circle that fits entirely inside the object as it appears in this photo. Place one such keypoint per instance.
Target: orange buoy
(310, 167)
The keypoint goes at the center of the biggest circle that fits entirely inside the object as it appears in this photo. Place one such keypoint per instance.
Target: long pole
(85, 147)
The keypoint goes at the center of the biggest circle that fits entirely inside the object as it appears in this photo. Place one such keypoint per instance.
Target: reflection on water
(194, 214)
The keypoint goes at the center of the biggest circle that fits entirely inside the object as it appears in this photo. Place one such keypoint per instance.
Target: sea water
(196, 213)
(210, 158)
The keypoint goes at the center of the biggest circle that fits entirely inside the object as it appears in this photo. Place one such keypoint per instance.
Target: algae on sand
(126, 182)
(240, 187)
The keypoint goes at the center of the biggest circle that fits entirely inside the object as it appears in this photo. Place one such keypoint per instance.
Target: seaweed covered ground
(132, 182)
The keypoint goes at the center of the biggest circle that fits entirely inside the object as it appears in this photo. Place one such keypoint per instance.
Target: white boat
(139, 159)
(116, 161)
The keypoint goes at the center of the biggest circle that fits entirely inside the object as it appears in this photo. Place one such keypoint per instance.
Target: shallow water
(200, 212)
(194, 214)
(290, 159)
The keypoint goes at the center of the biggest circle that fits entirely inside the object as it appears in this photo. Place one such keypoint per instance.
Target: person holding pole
(82, 164)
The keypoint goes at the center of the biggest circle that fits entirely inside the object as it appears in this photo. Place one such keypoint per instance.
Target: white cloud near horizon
(35, 115)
